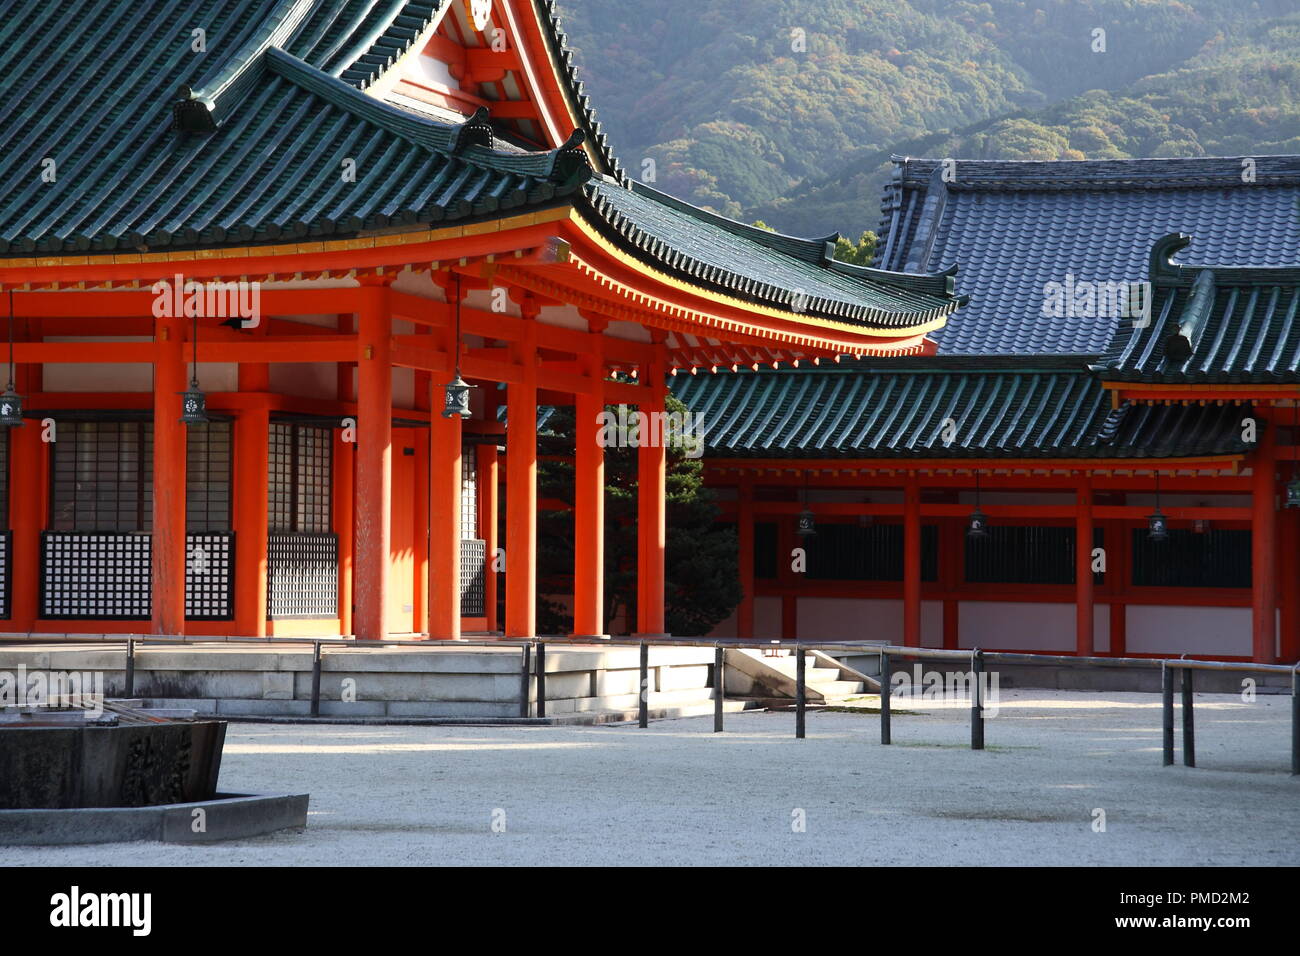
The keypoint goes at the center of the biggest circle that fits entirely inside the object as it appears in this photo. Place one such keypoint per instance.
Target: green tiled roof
(1211, 324)
(156, 145)
(1048, 412)
(798, 275)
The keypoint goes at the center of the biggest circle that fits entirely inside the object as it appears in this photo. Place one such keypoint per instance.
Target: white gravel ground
(677, 794)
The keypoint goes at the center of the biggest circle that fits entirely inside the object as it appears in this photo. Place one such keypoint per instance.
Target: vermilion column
(444, 522)
(652, 480)
(488, 468)
(912, 563)
(745, 534)
(374, 479)
(1289, 586)
(1263, 550)
(344, 483)
(252, 446)
(168, 538)
(589, 496)
(1084, 645)
(521, 483)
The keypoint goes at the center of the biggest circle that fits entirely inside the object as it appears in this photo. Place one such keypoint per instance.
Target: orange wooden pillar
(652, 481)
(745, 544)
(420, 543)
(444, 522)
(521, 482)
(1263, 550)
(345, 463)
(252, 453)
(488, 468)
(423, 392)
(1289, 585)
(168, 538)
(912, 563)
(374, 479)
(589, 495)
(1084, 643)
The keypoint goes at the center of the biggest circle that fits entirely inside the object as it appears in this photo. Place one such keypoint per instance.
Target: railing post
(719, 687)
(541, 678)
(884, 697)
(1189, 731)
(800, 692)
(315, 679)
(976, 704)
(129, 691)
(1295, 721)
(643, 699)
(1167, 709)
(524, 681)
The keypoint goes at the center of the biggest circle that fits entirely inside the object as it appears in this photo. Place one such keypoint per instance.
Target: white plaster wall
(865, 619)
(1010, 625)
(1189, 630)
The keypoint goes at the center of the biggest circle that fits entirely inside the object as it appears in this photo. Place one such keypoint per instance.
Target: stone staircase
(770, 674)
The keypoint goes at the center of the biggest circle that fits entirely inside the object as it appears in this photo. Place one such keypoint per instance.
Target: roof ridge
(459, 139)
(1174, 172)
(813, 249)
(202, 108)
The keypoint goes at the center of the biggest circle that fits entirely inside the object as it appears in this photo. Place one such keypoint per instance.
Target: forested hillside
(788, 110)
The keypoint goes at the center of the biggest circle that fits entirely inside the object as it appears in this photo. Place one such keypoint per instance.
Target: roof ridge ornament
(202, 108)
(475, 131)
(569, 164)
(1161, 262)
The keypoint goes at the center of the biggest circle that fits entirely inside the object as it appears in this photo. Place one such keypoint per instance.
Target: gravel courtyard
(677, 794)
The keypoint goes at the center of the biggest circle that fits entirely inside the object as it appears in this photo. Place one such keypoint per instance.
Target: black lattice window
(302, 575)
(1024, 554)
(91, 576)
(207, 477)
(95, 576)
(765, 548)
(210, 577)
(101, 477)
(851, 552)
(469, 492)
(299, 473)
(473, 563)
(1214, 558)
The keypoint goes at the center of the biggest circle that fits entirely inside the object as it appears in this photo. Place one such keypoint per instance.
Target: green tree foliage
(857, 253)
(701, 571)
(740, 121)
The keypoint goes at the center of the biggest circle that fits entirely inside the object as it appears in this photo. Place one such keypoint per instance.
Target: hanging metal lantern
(194, 406)
(807, 524)
(977, 525)
(1293, 493)
(11, 408)
(457, 403)
(1157, 526)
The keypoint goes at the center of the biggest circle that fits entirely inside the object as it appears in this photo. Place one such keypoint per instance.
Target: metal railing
(533, 666)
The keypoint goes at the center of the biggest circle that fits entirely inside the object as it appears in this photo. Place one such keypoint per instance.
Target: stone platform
(584, 682)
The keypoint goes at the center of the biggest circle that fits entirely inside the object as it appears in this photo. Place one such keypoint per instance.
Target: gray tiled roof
(1012, 227)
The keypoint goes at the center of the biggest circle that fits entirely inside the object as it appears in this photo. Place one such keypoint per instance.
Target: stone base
(229, 816)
